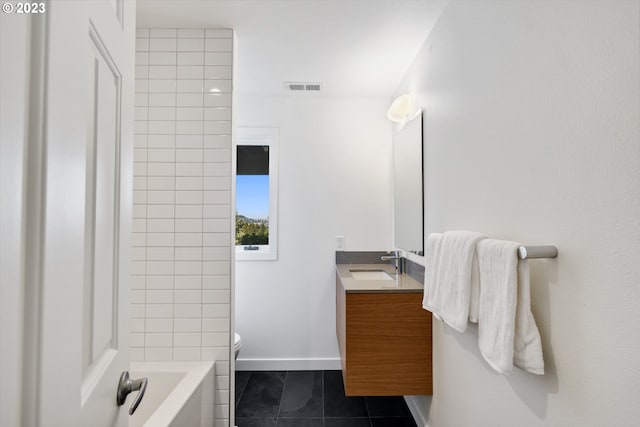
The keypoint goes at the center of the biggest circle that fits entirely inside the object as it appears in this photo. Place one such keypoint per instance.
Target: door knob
(126, 385)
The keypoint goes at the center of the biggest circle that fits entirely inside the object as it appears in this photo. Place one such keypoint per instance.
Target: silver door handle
(126, 385)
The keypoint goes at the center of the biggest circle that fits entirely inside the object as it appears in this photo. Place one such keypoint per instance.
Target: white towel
(474, 302)
(507, 330)
(448, 283)
(527, 344)
(432, 260)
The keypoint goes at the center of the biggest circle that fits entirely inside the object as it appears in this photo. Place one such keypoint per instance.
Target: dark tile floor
(311, 399)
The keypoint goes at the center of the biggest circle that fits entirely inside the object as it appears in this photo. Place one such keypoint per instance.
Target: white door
(81, 260)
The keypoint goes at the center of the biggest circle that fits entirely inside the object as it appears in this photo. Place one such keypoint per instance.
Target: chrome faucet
(398, 259)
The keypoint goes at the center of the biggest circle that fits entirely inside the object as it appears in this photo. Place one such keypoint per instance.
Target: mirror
(408, 187)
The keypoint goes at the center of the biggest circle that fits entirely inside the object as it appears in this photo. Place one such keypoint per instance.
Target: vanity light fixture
(403, 109)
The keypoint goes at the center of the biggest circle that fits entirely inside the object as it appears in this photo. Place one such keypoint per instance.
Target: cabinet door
(388, 345)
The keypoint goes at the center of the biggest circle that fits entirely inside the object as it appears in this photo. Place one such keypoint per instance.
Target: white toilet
(238, 344)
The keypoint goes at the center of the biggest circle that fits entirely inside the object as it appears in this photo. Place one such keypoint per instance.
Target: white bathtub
(174, 396)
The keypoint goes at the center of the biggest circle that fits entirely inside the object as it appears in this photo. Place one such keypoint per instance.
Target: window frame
(269, 137)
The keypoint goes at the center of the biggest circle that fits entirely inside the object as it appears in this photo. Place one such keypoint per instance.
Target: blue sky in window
(252, 196)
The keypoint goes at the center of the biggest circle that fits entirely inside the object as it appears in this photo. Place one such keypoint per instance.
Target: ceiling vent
(303, 87)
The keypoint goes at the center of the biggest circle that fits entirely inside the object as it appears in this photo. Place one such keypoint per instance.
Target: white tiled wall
(180, 298)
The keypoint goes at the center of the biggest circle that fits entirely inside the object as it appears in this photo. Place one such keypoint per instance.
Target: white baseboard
(288, 364)
(416, 411)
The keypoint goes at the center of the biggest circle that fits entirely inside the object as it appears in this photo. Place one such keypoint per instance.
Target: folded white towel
(448, 289)
(527, 344)
(507, 330)
(497, 310)
(432, 260)
(474, 302)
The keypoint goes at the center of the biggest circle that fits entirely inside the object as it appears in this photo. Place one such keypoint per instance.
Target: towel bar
(529, 252)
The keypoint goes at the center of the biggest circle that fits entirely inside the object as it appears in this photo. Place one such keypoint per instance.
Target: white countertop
(400, 283)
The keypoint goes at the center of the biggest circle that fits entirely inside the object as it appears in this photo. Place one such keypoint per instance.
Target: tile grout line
(202, 321)
(323, 400)
(175, 191)
(366, 407)
(284, 385)
(146, 210)
(244, 389)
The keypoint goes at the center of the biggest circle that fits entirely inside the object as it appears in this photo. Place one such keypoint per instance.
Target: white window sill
(261, 254)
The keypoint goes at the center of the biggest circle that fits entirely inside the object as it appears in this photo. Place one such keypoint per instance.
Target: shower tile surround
(181, 287)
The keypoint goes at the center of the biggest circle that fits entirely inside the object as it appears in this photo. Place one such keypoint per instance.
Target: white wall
(532, 134)
(182, 264)
(334, 179)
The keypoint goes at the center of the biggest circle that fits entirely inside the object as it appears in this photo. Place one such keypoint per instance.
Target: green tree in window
(251, 231)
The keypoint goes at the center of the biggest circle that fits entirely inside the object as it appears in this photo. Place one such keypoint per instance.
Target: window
(256, 194)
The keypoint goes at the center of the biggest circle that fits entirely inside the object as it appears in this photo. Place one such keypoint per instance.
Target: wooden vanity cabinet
(385, 343)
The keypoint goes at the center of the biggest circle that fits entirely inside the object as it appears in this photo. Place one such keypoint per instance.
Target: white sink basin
(370, 275)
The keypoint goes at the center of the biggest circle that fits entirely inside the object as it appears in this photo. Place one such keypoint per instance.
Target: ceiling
(353, 47)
